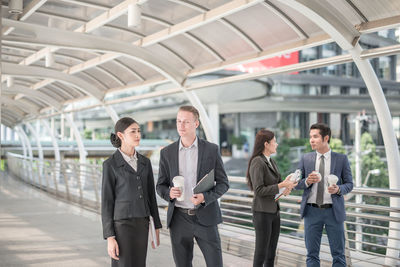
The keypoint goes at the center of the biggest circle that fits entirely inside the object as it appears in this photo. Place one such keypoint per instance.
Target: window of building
(323, 118)
(307, 55)
(344, 90)
(324, 89)
(363, 91)
(384, 68)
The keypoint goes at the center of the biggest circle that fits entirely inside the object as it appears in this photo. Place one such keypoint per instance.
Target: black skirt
(132, 238)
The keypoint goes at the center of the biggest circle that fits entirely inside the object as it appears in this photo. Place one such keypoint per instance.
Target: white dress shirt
(312, 197)
(188, 157)
(131, 160)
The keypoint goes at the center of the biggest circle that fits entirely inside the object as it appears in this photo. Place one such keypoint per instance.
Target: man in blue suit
(318, 207)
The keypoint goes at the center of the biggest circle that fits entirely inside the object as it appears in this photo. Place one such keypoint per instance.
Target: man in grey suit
(320, 208)
(197, 215)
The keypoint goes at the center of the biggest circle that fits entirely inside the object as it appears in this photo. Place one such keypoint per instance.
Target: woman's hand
(289, 188)
(286, 183)
(112, 248)
(157, 239)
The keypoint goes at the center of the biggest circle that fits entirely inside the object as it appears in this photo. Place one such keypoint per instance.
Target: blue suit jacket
(339, 167)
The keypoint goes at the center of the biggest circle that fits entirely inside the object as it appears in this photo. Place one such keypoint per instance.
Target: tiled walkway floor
(39, 230)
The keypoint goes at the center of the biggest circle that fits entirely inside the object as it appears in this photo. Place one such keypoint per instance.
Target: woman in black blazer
(264, 179)
(128, 198)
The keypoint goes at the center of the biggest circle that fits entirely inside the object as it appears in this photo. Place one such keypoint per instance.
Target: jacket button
(140, 196)
(139, 187)
(138, 178)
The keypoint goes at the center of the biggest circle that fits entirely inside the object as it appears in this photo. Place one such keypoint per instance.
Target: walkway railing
(81, 183)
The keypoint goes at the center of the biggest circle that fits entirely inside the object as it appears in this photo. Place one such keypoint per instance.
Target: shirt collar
(327, 155)
(267, 157)
(128, 158)
(195, 144)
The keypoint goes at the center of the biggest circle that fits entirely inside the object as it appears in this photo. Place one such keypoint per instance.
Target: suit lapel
(140, 164)
(174, 158)
(333, 162)
(200, 148)
(122, 163)
(269, 164)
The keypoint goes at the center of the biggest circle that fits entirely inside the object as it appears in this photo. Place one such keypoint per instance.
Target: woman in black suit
(264, 179)
(128, 198)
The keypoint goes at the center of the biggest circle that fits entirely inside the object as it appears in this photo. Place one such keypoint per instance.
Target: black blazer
(264, 179)
(127, 193)
(209, 158)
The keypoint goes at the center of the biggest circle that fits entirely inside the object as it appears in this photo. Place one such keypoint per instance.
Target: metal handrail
(81, 183)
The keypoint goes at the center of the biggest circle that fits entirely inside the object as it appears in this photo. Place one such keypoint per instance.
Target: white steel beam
(391, 146)
(224, 21)
(26, 13)
(111, 112)
(24, 138)
(284, 17)
(57, 155)
(40, 72)
(40, 149)
(378, 25)
(197, 21)
(209, 16)
(42, 97)
(72, 40)
(81, 148)
(313, 64)
(24, 107)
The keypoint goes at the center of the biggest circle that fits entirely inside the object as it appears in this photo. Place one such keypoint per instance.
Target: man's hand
(333, 189)
(197, 199)
(312, 178)
(112, 248)
(175, 192)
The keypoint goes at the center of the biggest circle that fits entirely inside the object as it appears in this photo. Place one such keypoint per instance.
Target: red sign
(269, 63)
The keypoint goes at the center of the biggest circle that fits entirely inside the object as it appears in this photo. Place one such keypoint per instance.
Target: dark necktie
(320, 191)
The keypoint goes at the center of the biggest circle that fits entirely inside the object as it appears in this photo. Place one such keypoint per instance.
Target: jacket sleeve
(152, 198)
(257, 174)
(302, 184)
(163, 183)
(221, 181)
(347, 178)
(108, 200)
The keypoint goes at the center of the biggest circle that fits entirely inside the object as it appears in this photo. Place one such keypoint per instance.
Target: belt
(323, 206)
(189, 212)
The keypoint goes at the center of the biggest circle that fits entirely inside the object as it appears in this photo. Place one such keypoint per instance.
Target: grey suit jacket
(264, 179)
(127, 193)
(341, 168)
(209, 158)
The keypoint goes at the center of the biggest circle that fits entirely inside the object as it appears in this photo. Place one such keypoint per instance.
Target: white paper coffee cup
(179, 181)
(319, 175)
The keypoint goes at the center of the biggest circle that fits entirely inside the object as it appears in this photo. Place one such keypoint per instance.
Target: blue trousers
(314, 222)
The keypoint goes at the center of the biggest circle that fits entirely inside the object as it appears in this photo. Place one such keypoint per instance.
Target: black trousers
(183, 229)
(132, 237)
(267, 227)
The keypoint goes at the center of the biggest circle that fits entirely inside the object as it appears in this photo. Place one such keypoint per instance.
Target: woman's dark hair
(262, 136)
(120, 126)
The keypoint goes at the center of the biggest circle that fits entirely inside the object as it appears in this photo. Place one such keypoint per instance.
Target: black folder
(206, 183)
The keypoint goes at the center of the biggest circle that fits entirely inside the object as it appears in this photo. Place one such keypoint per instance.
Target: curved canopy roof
(59, 51)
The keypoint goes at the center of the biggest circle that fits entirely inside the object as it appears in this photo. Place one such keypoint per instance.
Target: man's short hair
(192, 110)
(324, 130)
